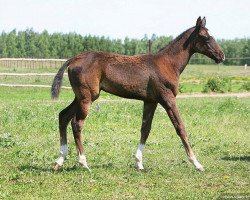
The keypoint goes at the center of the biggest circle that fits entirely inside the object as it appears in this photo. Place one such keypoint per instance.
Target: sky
(226, 19)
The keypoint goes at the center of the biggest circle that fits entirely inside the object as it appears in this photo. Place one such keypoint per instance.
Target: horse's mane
(178, 40)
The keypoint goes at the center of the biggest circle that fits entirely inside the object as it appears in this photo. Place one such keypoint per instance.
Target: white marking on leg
(83, 161)
(196, 163)
(63, 154)
(138, 156)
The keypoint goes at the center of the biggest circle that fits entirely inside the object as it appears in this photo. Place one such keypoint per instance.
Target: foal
(152, 78)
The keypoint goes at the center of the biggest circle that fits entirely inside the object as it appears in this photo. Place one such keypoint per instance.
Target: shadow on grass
(67, 169)
(46, 169)
(236, 158)
(34, 168)
(103, 166)
(77, 168)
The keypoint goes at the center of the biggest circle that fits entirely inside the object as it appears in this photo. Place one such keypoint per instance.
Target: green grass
(195, 77)
(29, 143)
(204, 71)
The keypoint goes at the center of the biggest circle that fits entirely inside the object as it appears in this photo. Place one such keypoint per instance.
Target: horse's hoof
(200, 169)
(139, 167)
(85, 167)
(57, 167)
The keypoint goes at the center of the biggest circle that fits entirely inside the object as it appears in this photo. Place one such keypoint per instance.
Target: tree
(42, 45)
(30, 38)
(11, 44)
(21, 45)
(3, 45)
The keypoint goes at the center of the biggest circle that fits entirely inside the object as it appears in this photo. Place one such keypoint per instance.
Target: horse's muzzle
(219, 57)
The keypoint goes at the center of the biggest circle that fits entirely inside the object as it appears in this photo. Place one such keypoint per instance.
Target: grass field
(219, 130)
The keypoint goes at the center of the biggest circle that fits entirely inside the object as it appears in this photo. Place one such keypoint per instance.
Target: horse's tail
(57, 82)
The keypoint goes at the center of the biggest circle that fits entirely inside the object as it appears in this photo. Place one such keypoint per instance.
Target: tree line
(31, 44)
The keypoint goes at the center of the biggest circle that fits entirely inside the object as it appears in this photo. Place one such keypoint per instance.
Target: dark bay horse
(152, 78)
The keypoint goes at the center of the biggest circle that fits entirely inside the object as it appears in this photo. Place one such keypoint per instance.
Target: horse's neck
(178, 53)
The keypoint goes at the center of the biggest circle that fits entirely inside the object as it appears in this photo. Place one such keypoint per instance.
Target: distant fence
(31, 63)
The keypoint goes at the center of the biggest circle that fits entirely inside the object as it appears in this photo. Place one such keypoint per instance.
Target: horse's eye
(206, 38)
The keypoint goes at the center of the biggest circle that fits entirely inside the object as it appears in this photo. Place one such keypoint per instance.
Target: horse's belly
(128, 82)
(126, 90)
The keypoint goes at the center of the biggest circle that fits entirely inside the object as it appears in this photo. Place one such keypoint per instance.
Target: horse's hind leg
(77, 125)
(64, 118)
(148, 114)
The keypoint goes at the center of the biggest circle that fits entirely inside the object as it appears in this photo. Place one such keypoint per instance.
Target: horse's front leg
(148, 114)
(169, 103)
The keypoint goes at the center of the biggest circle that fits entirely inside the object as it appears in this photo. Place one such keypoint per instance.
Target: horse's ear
(201, 23)
(198, 22)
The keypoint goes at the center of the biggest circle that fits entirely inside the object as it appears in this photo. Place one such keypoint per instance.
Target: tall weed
(218, 84)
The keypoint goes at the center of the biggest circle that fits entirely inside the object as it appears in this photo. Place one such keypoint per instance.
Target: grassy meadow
(219, 131)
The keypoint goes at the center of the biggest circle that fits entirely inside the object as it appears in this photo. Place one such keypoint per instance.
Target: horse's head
(205, 44)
